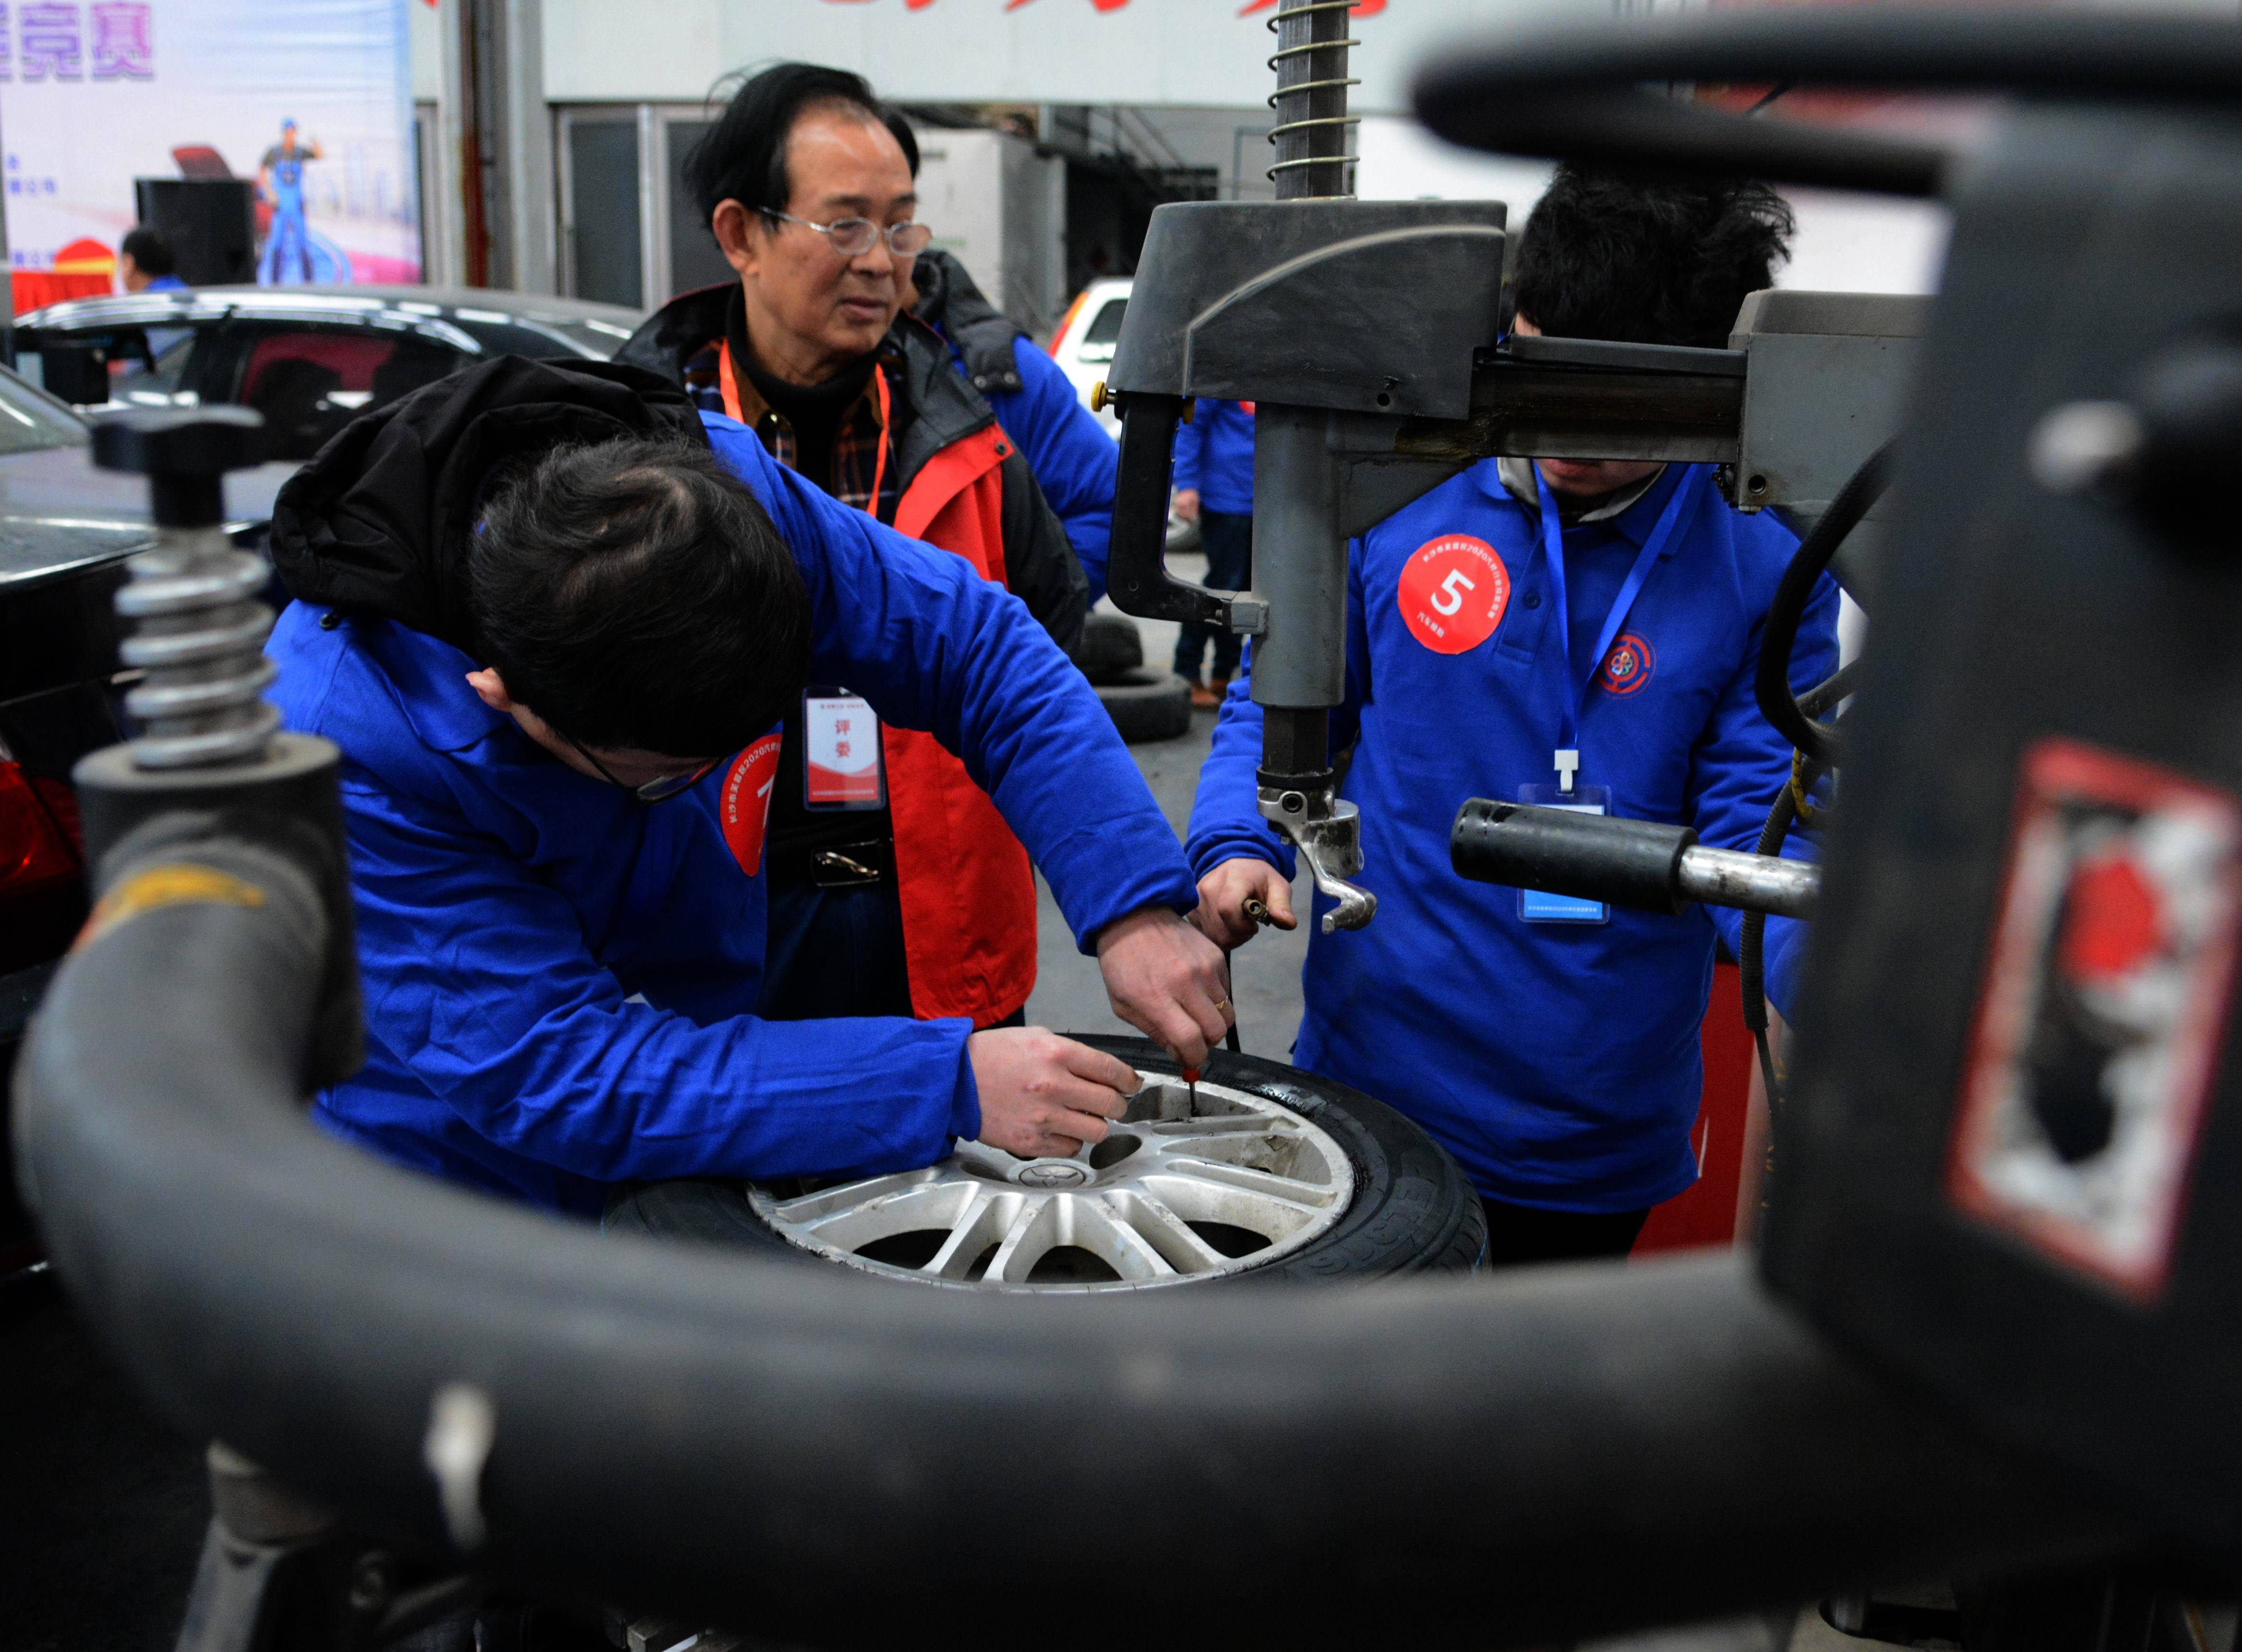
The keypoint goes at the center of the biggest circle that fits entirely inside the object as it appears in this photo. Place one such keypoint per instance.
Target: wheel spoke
(1289, 1190)
(1023, 1243)
(1106, 1232)
(1223, 1125)
(1159, 1228)
(978, 1226)
(850, 1195)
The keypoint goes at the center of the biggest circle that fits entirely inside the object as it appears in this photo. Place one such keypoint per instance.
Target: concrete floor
(1069, 997)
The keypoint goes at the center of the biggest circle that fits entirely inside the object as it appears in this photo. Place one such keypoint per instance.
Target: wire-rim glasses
(658, 790)
(854, 237)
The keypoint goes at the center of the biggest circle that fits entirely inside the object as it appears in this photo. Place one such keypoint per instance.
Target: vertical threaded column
(1311, 99)
(199, 627)
(199, 635)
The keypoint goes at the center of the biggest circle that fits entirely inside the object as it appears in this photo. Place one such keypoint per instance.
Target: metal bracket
(1327, 830)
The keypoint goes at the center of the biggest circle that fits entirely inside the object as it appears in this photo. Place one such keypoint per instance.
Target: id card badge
(839, 752)
(1538, 906)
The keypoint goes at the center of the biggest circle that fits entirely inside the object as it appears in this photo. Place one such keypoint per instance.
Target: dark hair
(635, 594)
(1643, 259)
(742, 157)
(148, 249)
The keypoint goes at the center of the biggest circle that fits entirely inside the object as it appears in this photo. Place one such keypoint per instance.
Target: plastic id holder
(1538, 906)
(841, 766)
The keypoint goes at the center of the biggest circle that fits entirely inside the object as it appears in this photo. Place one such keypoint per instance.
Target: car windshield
(1105, 328)
(31, 420)
(602, 337)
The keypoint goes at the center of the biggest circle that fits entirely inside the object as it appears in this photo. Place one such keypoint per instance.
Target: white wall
(1845, 242)
(423, 31)
(1144, 51)
(999, 208)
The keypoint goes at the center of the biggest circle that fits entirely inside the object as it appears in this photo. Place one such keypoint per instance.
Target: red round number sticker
(1454, 592)
(746, 801)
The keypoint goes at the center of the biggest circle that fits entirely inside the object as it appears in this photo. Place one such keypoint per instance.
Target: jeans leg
(1228, 539)
(1191, 648)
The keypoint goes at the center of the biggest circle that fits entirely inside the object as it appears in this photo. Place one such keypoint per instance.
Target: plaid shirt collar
(856, 441)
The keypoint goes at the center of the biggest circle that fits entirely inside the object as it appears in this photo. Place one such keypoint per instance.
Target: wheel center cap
(1053, 1173)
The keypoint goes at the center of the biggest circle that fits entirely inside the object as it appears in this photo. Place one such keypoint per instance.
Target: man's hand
(1042, 1096)
(1166, 980)
(1223, 893)
(1186, 508)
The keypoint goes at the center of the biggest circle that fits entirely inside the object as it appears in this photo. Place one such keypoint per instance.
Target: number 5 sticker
(1452, 593)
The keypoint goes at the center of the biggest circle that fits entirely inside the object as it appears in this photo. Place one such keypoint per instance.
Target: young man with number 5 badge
(1576, 633)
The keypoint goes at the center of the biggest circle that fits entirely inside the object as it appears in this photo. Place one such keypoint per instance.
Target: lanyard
(730, 386)
(1566, 757)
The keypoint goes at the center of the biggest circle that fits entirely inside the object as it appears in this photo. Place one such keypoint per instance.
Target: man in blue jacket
(1074, 462)
(1583, 634)
(1214, 487)
(553, 616)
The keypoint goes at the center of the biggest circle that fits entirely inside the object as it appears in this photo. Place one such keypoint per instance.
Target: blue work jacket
(559, 981)
(1075, 462)
(1559, 1062)
(1214, 454)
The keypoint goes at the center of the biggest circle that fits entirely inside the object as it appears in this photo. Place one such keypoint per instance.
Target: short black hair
(742, 157)
(1643, 259)
(635, 594)
(147, 248)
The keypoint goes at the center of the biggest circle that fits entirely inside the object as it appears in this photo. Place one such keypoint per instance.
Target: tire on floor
(1111, 645)
(1413, 1210)
(1147, 704)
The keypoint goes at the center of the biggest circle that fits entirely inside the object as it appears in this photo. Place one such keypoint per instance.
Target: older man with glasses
(896, 887)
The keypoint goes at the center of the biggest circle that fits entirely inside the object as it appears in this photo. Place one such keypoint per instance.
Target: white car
(1083, 343)
(1083, 346)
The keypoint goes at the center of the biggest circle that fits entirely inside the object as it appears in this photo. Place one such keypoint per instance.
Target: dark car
(309, 359)
(65, 532)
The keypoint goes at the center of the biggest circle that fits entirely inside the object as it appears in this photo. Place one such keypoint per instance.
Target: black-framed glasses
(853, 236)
(658, 790)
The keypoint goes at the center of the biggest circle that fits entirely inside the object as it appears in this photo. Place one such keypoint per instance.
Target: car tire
(1413, 1211)
(1111, 646)
(1147, 704)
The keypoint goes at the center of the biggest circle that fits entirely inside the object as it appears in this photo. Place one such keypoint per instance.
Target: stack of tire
(1144, 703)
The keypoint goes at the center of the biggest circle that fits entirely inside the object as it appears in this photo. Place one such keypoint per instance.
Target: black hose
(1830, 690)
(768, 1442)
(1780, 635)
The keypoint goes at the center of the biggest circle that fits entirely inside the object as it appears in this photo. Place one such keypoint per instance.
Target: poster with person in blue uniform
(1576, 633)
(293, 255)
(307, 101)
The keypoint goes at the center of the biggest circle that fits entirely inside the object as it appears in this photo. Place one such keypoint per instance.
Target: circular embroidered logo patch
(1452, 591)
(1629, 665)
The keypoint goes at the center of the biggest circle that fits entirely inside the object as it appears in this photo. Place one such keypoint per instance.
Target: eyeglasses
(654, 791)
(854, 237)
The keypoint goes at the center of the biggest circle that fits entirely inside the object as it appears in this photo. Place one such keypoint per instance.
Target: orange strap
(729, 382)
(880, 459)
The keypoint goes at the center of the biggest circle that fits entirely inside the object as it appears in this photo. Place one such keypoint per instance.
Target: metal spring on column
(1298, 127)
(199, 637)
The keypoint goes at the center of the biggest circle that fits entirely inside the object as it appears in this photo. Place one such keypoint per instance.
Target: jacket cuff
(965, 1098)
(1152, 872)
(1209, 852)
